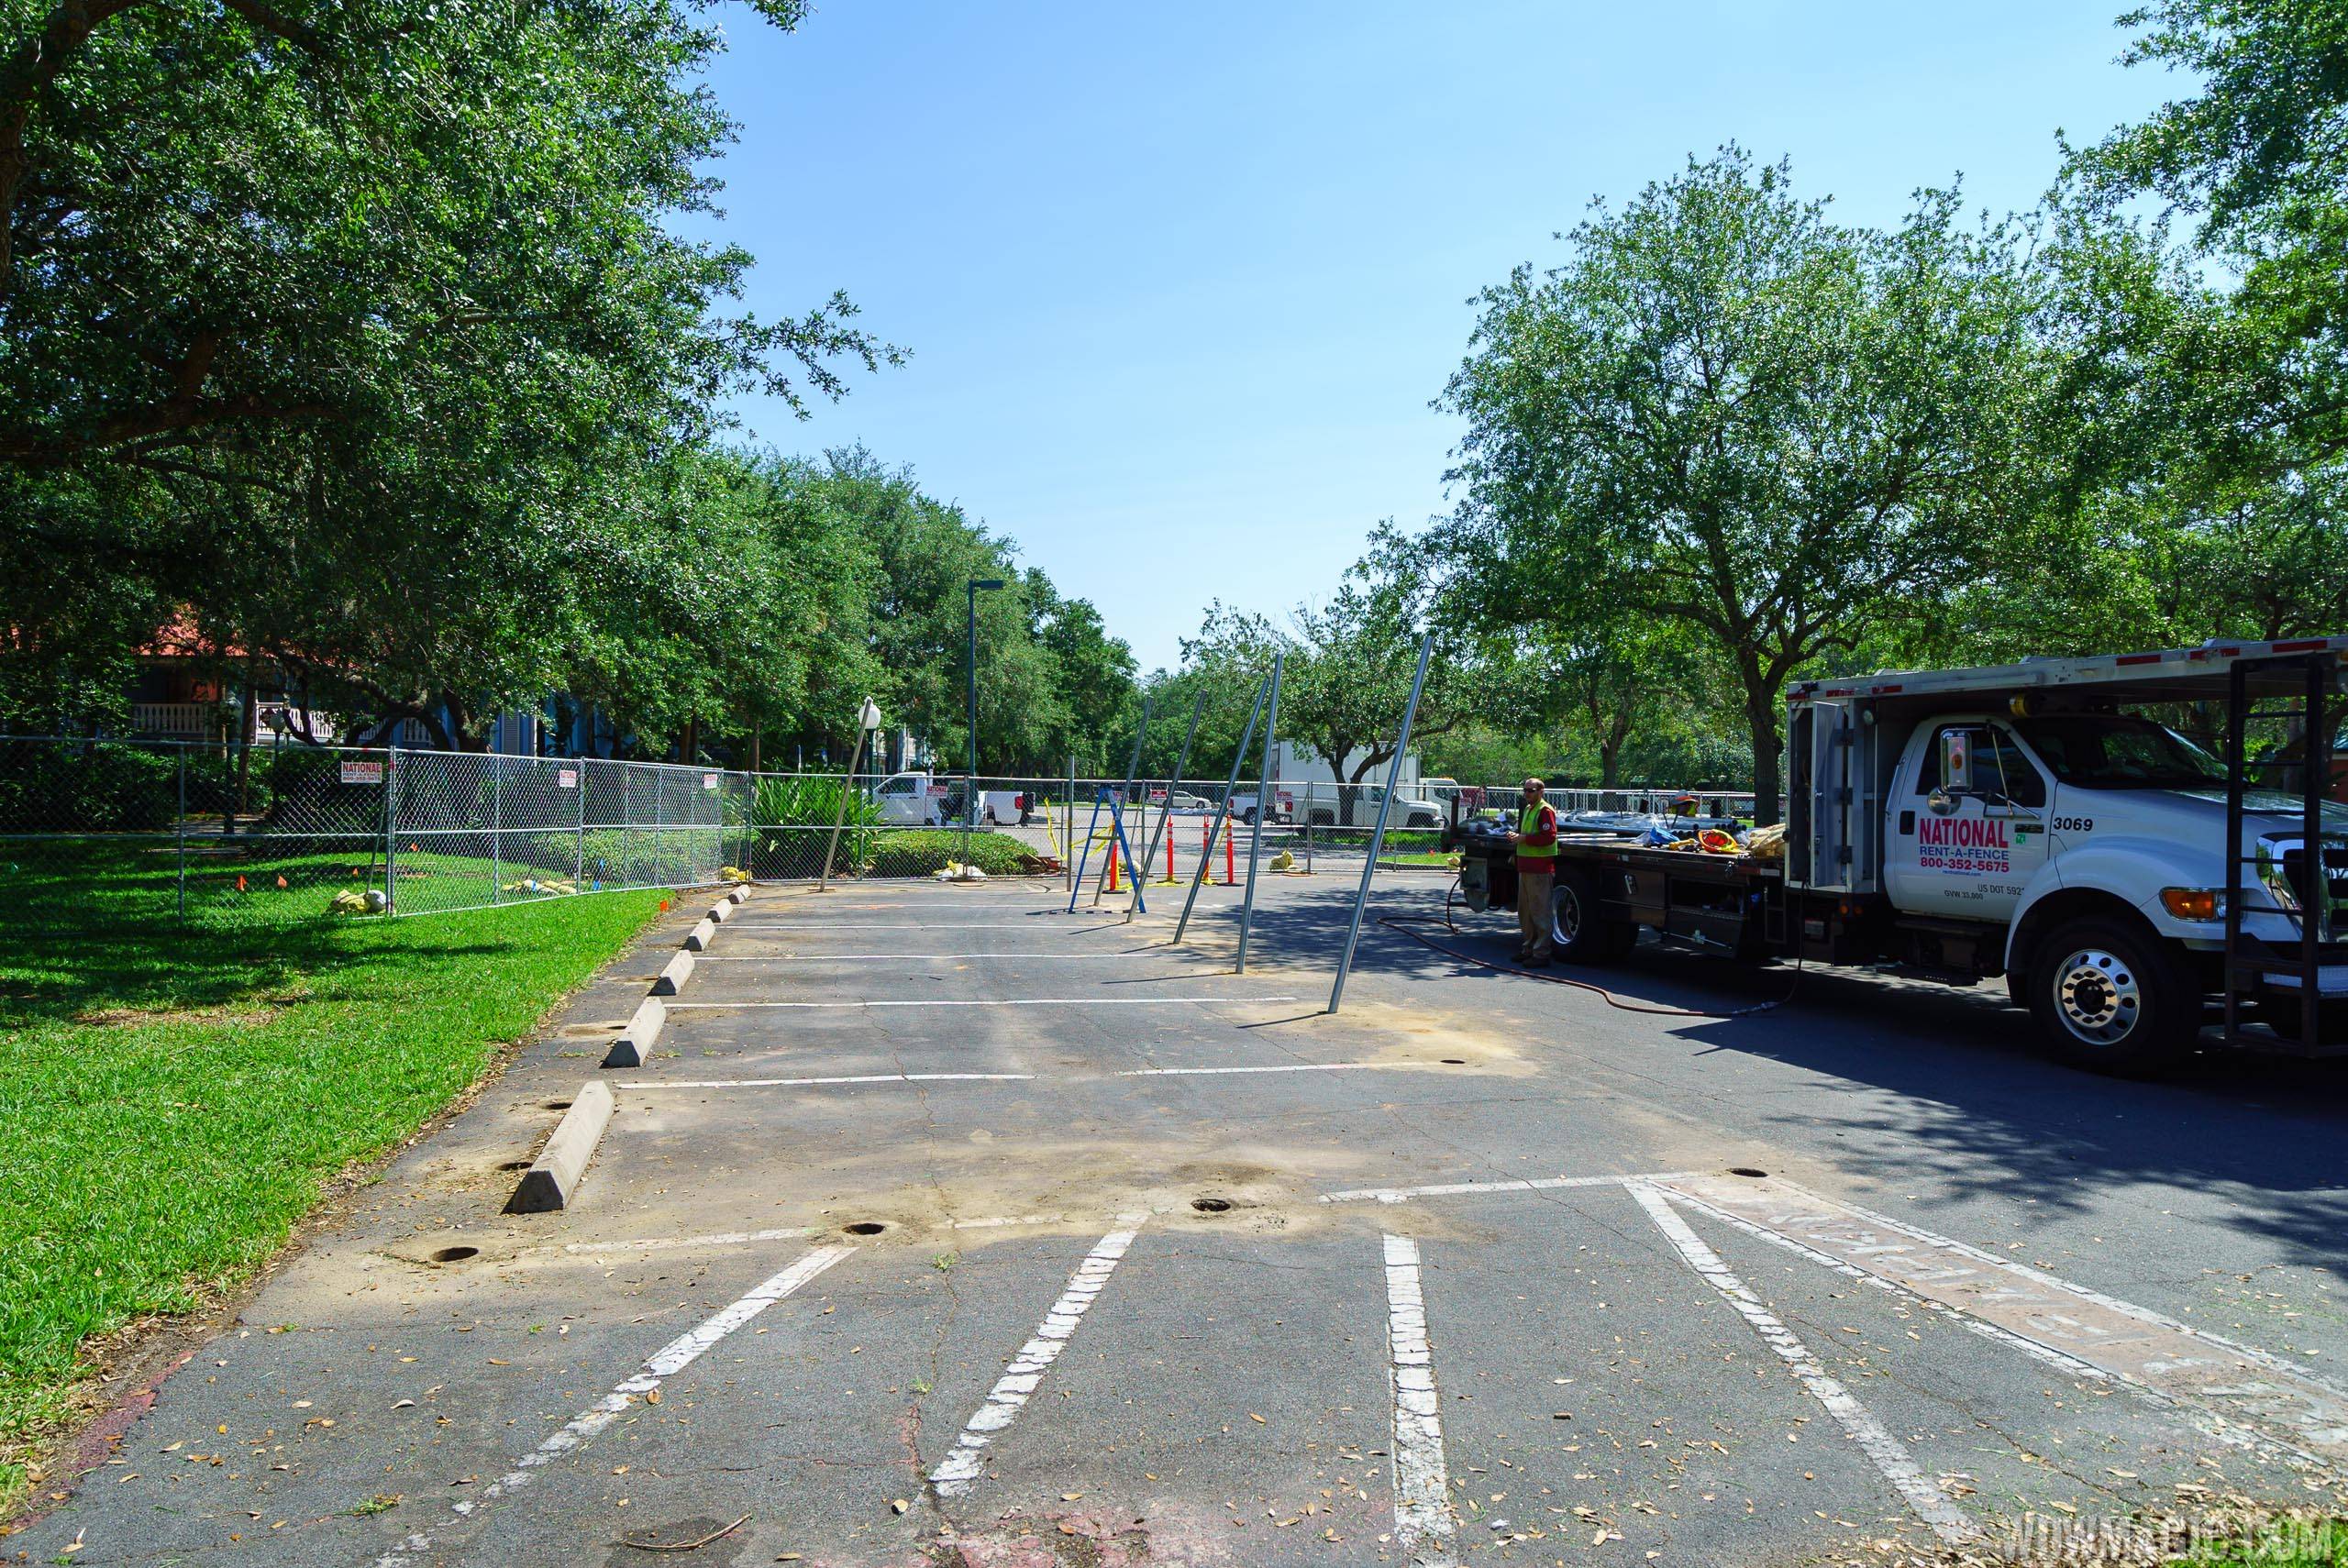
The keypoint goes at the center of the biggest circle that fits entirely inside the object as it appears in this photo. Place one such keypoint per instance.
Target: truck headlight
(2195, 903)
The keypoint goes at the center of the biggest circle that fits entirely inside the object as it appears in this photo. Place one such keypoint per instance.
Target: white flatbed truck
(2027, 821)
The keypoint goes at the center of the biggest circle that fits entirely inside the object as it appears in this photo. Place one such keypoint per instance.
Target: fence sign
(356, 771)
(709, 781)
(566, 778)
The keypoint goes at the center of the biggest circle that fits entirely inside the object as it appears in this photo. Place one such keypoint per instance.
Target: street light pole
(970, 781)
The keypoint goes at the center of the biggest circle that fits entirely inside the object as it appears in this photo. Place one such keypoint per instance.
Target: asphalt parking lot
(947, 1227)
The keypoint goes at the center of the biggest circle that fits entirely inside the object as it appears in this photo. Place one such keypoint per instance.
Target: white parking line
(662, 1243)
(1457, 1188)
(2257, 1398)
(1423, 1521)
(916, 957)
(1062, 1078)
(802, 1083)
(993, 1001)
(665, 1363)
(1281, 1067)
(1891, 1456)
(957, 1472)
(740, 925)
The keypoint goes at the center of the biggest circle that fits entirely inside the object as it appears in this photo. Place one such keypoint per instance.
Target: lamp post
(970, 781)
(867, 719)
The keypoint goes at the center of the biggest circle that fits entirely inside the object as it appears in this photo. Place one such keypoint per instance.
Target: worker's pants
(1533, 912)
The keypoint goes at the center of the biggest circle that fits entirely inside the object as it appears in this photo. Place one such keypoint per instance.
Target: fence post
(1125, 791)
(1265, 800)
(1166, 811)
(496, 845)
(1378, 833)
(579, 860)
(390, 829)
(1219, 822)
(180, 827)
(1068, 829)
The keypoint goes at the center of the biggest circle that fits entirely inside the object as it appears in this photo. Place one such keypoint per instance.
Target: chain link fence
(116, 832)
(109, 833)
(112, 833)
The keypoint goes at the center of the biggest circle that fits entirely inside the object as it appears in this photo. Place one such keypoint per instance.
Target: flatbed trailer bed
(1729, 903)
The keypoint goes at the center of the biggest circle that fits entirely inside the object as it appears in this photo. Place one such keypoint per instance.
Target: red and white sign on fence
(359, 771)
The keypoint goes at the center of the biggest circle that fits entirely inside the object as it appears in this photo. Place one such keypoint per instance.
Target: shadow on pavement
(1912, 1081)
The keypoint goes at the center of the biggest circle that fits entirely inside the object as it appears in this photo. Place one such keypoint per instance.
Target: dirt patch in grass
(142, 1017)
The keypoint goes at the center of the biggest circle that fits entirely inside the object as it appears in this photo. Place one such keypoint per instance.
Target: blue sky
(1181, 282)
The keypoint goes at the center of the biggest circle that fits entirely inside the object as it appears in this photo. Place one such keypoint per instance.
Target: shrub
(803, 809)
(919, 851)
(97, 787)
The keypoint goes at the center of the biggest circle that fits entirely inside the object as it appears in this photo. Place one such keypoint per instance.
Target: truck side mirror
(1956, 762)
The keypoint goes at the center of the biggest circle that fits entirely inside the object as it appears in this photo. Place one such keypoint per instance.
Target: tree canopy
(362, 340)
(1727, 413)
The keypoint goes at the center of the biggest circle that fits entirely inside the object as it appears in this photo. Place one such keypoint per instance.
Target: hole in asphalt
(1211, 1205)
(1746, 1171)
(558, 1105)
(513, 1164)
(865, 1227)
(1454, 1061)
(455, 1254)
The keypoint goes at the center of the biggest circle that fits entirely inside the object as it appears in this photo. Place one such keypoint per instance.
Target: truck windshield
(2110, 751)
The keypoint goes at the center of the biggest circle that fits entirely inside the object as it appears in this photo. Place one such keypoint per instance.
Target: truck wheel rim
(2098, 994)
(1565, 916)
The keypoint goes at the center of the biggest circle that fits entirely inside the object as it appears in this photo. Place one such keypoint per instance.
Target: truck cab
(2036, 822)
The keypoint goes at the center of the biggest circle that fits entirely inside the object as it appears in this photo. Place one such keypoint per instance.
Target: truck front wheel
(2108, 998)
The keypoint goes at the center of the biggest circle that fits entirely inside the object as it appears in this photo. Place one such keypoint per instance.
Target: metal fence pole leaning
(1223, 807)
(1264, 802)
(1165, 812)
(1378, 833)
(1068, 828)
(1125, 792)
(848, 782)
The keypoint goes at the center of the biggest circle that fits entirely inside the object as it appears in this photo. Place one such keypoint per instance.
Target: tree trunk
(1609, 764)
(691, 743)
(1761, 718)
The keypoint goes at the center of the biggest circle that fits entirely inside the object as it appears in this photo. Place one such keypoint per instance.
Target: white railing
(284, 718)
(179, 720)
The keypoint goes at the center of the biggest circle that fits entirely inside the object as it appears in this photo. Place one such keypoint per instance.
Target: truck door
(1967, 850)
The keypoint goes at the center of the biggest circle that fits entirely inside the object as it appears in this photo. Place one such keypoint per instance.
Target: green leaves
(366, 329)
(1728, 415)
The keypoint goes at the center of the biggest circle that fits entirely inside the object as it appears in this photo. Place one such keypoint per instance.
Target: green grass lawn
(175, 1099)
(2301, 1542)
